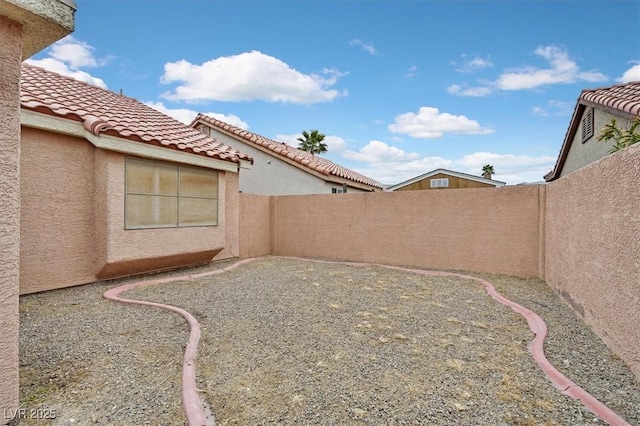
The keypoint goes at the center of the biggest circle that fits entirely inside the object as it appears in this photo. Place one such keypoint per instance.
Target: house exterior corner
(26, 27)
(73, 218)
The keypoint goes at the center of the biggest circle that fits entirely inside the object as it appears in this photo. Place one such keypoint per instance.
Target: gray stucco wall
(580, 154)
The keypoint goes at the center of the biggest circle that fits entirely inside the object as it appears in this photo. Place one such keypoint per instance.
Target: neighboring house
(280, 169)
(445, 179)
(595, 109)
(111, 187)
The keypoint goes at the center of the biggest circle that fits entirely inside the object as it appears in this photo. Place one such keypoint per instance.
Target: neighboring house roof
(302, 159)
(102, 112)
(460, 175)
(621, 99)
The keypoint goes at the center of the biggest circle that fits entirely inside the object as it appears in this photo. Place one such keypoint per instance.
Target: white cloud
(334, 143)
(379, 152)
(509, 168)
(430, 123)
(471, 65)
(74, 53)
(181, 114)
(412, 71)
(249, 76)
(466, 90)
(186, 116)
(632, 74)
(232, 119)
(391, 165)
(366, 47)
(523, 174)
(553, 107)
(561, 70)
(393, 173)
(61, 68)
(479, 159)
(291, 140)
(538, 110)
(68, 55)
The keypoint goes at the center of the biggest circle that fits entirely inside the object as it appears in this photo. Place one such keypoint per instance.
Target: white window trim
(439, 183)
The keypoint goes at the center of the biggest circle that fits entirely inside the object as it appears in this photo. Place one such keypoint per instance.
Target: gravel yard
(294, 342)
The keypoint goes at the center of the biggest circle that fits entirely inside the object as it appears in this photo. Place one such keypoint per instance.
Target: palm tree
(487, 171)
(312, 142)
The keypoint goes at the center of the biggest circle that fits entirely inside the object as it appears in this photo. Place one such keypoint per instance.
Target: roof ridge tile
(624, 97)
(321, 165)
(104, 112)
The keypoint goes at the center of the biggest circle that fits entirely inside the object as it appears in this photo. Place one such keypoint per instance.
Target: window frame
(176, 220)
(435, 183)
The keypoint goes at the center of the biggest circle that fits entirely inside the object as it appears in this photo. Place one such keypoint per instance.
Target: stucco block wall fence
(580, 233)
(490, 230)
(593, 248)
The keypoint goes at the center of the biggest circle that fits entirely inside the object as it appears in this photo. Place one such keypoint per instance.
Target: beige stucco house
(444, 179)
(26, 27)
(594, 109)
(280, 169)
(111, 187)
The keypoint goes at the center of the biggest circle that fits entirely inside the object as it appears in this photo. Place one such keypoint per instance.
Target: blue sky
(400, 87)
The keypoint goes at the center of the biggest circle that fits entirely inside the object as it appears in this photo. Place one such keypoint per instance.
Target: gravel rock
(294, 342)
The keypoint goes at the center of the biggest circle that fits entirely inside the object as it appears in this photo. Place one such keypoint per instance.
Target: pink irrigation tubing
(193, 407)
(537, 326)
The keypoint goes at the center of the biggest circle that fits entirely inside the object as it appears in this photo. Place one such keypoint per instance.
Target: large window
(164, 195)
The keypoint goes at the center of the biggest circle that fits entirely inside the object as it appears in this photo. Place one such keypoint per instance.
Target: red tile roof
(302, 158)
(620, 99)
(107, 113)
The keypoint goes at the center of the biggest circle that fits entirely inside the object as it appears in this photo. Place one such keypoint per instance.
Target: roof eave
(55, 124)
(582, 103)
(310, 167)
(566, 143)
